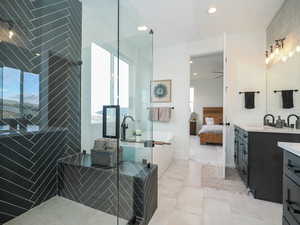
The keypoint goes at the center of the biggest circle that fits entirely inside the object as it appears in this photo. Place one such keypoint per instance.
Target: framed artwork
(161, 91)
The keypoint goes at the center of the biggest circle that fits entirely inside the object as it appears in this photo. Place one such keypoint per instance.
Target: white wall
(208, 93)
(245, 72)
(173, 63)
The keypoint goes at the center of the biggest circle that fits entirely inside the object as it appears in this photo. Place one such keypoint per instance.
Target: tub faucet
(290, 116)
(124, 127)
(266, 123)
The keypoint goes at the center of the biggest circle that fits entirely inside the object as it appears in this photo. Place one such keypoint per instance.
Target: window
(31, 95)
(105, 83)
(100, 81)
(11, 93)
(20, 94)
(123, 85)
(192, 97)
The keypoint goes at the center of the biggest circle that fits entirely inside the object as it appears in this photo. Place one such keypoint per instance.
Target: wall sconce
(10, 27)
(275, 50)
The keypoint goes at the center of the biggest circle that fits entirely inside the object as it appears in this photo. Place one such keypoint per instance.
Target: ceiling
(187, 20)
(207, 66)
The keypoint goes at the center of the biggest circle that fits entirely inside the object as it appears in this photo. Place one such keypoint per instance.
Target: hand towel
(249, 100)
(288, 99)
(154, 114)
(164, 114)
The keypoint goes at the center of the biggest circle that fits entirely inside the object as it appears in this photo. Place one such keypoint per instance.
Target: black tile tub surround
(46, 42)
(97, 188)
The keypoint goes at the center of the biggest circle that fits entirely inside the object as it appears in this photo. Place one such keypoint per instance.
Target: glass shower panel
(99, 108)
(136, 130)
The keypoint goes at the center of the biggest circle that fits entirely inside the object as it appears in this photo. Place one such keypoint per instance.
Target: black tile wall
(97, 188)
(47, 42)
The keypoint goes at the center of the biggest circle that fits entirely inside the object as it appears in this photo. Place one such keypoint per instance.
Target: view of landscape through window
(19, 99)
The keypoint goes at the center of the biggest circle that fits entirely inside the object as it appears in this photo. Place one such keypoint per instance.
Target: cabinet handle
(291, 207)
(293, 168)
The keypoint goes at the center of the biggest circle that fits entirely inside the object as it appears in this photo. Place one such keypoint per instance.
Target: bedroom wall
(208, 93)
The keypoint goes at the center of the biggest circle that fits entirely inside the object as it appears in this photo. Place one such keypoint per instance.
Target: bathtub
(162, 155)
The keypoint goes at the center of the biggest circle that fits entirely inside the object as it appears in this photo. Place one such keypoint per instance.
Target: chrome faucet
(124, 127)
(266, 123)
(290, 116)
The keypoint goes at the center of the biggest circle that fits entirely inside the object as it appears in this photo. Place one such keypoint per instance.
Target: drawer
(292, 166)
(291, 201)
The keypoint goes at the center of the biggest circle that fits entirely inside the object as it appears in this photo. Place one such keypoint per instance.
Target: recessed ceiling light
(212, 10)
(142, 28)
(195, 74)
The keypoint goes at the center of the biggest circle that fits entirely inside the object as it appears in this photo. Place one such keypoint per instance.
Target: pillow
(209, 121)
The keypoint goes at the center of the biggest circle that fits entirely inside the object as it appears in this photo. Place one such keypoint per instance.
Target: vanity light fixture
(191, 62)
(195, 74)
(142, 28)
(212, 10)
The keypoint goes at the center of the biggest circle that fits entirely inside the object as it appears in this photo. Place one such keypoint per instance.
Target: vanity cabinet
(259, 161)
(291, 189)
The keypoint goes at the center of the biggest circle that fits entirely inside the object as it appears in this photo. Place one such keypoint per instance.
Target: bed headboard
(213, 112)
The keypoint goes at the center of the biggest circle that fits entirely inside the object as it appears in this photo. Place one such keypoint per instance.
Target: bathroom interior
(78, 144)
(55, 106)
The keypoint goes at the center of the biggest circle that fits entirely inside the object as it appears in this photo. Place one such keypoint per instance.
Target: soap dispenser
(279, 123)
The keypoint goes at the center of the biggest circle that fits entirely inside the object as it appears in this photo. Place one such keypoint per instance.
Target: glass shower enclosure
(117, 133)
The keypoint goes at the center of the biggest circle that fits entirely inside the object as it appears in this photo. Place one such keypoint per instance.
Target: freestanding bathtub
(161, 155)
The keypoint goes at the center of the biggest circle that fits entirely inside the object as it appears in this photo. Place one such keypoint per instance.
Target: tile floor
(61, 211)
(206, 154)
(191, 193)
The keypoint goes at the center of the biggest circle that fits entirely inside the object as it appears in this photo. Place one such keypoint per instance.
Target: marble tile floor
(206, 154)
(190, 193)
(61, 211)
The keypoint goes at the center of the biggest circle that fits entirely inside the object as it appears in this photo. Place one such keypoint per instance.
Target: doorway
(207, 109)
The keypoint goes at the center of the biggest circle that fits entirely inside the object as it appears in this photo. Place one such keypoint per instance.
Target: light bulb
(212, 10)
(291, 54)
(298, 48)
(191, 62)
(277, 51)
(142, 28)
(10, 34)
(284, 58)
(272, 55)
(267, 61)
(195, 74)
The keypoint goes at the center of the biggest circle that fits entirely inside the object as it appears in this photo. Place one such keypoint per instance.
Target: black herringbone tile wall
(97, 188)
(46, 42)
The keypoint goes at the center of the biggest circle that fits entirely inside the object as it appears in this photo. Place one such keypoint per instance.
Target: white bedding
(217, 129)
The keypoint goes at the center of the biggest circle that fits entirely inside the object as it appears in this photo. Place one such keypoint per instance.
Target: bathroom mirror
(283, 75)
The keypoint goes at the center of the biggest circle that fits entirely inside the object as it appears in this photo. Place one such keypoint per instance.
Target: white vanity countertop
(291, 147)
(268, 129)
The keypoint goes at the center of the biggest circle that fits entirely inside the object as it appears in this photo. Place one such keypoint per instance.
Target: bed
(212, 133)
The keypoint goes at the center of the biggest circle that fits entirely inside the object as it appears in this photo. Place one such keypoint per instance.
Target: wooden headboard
(213, 112)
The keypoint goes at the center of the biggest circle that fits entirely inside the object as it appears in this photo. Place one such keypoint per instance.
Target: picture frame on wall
(161, 91)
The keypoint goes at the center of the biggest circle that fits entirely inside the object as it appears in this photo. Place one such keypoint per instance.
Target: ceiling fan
(218, 75)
